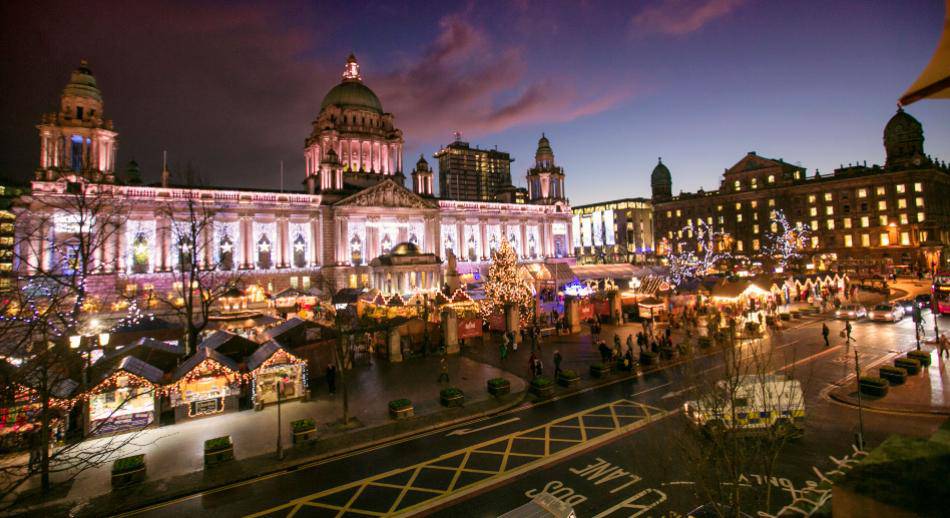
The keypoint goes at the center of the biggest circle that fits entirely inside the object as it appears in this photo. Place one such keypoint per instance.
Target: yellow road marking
(513, 448)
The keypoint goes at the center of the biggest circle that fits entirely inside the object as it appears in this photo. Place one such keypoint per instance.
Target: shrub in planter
(542, 386)
(872, 386)
(401, 408)
(648, 357)
(796, 313)
(218, 450)
(911, 365)
(451, 396)
(568, 378)
(599, 370)
(751, 327)
(666, 352)
(785, 316)
(922, 356)
(303, 430)
(498, 386)
(893, 375)
(704, 342)
(128, 470)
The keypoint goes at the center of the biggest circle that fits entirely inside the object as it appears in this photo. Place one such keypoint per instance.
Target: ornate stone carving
(387, 194)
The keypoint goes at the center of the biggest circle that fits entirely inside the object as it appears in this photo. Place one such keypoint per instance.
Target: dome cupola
(661, 181)
(544, 155)
(903, 141)
(351, 92)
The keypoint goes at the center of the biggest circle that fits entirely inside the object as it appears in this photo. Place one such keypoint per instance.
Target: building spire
(351, 72)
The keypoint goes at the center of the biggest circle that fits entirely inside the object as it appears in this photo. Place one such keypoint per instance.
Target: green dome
(352, 94)
(661, 174)
(82, 83)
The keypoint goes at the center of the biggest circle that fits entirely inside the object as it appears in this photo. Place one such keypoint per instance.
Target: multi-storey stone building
(861, 217)
(473, 174)
(356, 225)
(619, 231)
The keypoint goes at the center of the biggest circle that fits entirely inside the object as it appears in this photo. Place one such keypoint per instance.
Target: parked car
(923, 300)
(886, 313)
(851, 312)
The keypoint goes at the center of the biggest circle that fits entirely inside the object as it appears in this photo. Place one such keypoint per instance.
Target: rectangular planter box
(872, 390)
(402, 413)
(458, 400)
(921, 356)
(785, 316)
(543, 392)
(893, 378)
(911, 366)
(215, 457)
(568, 382)
(666, 354)
(499, 390)
(304, 436)
(128, 477)
(648, 358)
(599, 371)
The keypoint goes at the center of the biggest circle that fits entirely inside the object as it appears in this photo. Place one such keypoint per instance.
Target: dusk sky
(232, 87)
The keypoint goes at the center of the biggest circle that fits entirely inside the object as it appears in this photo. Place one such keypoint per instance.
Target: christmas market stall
(234, 346)
(21, 411)
(124, 397)
(651, 308)
(272, 364)
(208, 383)
(163, 355)
(294, 332)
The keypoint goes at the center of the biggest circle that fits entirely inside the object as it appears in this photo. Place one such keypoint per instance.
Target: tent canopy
(934, 81)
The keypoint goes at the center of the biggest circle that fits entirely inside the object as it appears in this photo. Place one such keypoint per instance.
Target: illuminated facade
(355, 226)
(861, 218)
(473, 174)
(619, 231)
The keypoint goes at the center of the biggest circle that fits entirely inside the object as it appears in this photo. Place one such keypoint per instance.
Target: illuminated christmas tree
(783, 241)
(504, 287)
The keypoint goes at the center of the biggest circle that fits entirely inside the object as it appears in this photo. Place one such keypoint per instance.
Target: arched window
(356, 251)
(264, 247)
(226, 253)
(140, 254)
(385, 245)
(185, 253)
(449, 244)
(300, 252)
(472, 249)
(532, 247)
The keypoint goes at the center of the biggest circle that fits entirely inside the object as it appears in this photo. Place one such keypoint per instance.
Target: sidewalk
(927, 392)
(174, 454)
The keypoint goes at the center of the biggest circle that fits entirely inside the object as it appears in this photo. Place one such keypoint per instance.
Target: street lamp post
(280, 391)
(857, 372)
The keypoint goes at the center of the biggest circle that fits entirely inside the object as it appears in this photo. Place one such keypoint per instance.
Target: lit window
(847, 222)
(905, 238)
(814, 241)
(827, 196)
(771, 202)
(670, 234)
(904, 219)
(919, 201)
(774, 227)
(882, 205)
(754, 183)
(830, 224)
(721, 220)
(865, 240)
(755, 204)
(738, 205)
(719, 208)
(771, 178)
(678, 213)
(739, 245)
(847, 241)
(755, 229)
(865, 222)
(902, 203)
(923, 236)
(829, 211)
(882, 220)
(689, 222)
(739, 218)
(811, 198)
(814, 224)
(755, 216)
(737, 185)
(920, 217)
(813, 211)
(798, 175)
(862, 193)
(755, 244)
(669, 214)
(900, 188)
(885, 239)
(918, 187)
(879, 190)
(708, 221)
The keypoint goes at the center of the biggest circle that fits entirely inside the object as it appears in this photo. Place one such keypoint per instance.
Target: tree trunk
(44, 443)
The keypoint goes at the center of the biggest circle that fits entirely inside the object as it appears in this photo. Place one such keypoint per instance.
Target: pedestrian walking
(943, 344)
(825, 332)
(538, 367)
(847, 331)
(557, 363)
(331, 378)
(513, 341)
(604, 351)
(531, 365)
(630, 342)
(503, 349)
(443, 370)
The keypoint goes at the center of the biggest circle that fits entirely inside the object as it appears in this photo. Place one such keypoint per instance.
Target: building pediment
(387, 194)
(751, 163)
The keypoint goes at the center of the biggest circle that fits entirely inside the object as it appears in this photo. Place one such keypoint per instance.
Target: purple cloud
(679, 17)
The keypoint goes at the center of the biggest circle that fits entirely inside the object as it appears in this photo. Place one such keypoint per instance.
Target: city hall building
(863, 218)
(355, 224)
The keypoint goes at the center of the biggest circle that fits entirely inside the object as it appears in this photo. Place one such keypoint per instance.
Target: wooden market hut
(272, 364)
(207, 383)
(125, 396)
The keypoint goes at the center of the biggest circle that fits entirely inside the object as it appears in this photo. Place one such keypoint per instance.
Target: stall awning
(604, 271)
(204, 354)
(934, 81)
(265, 352)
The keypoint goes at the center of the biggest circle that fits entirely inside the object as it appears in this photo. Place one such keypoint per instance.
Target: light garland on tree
(687, 264)
(787, 240)
(504, 286)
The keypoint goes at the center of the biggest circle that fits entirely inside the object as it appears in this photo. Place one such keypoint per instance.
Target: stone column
(513, 321)
(450, 331)
(572, 314)
(483, 230)
(616, 308)
(524, 239)
(316, 241)
(395, 346)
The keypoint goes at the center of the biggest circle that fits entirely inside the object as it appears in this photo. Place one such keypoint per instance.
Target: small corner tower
(545, 180)
(422, 178)
(77, 140)
(661, 182)
(904, 142)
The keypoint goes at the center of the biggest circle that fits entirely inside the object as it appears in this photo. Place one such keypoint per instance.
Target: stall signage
(585, 311)
(208, 406)
(119, 423)
(469, 328)
(602, 307)
(496, 322)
